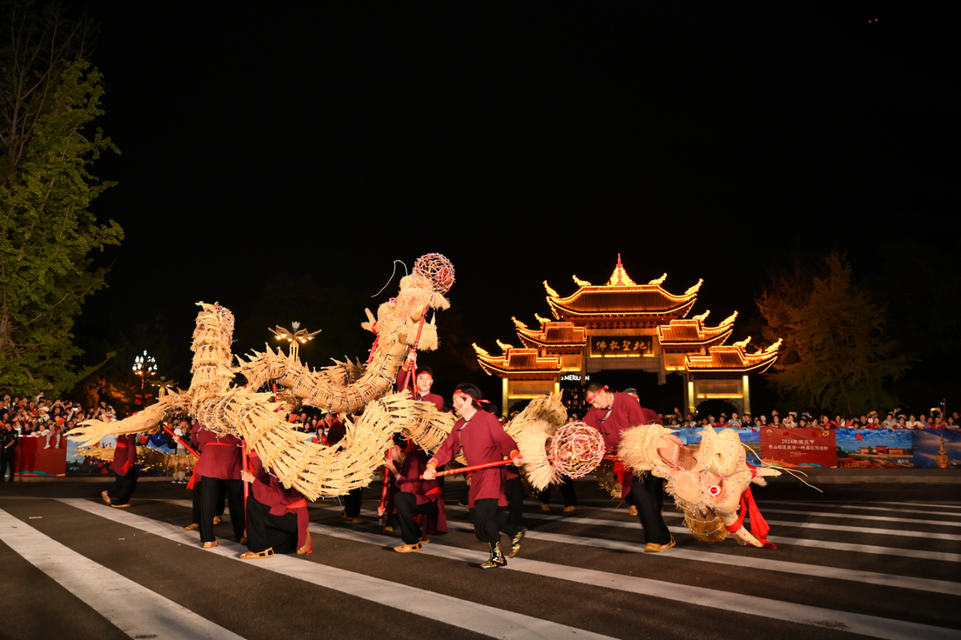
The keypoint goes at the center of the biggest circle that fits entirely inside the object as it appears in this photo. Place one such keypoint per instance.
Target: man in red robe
(482, 439)
(219, 469)
(422, 385)
(612, 413)
(197, 487)
(277, 518)
(415, 496)
(124, 465)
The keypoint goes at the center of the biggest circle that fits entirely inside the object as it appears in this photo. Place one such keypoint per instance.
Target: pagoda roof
(732, 360)
(518, 363)
(553, 335)
(686, 334)
(621, 297)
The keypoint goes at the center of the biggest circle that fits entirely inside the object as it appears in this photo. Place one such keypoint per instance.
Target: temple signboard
(620, 346)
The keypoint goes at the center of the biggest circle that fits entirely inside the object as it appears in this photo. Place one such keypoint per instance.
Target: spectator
(8, 444)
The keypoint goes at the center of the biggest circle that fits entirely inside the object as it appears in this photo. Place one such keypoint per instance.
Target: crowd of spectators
(38, 417)
(872, 420)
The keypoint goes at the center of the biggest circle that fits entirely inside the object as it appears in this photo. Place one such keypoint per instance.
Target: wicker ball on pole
(576, 449)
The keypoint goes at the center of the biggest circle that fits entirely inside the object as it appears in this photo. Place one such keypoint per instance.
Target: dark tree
(49, 97)
(835, 356)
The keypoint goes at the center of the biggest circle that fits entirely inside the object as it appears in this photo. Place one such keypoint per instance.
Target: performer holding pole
(611, 414)
(416, 496)
(219, 468)
(277, 518)
(124, 465)
(483, 440)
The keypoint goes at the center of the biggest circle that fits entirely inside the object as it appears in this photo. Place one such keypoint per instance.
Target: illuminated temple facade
(624, 325)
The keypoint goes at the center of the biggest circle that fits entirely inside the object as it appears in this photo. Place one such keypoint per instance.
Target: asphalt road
(860, 560)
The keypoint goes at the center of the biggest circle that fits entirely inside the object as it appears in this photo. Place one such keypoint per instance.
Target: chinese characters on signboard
(799, 446)
(622, 346)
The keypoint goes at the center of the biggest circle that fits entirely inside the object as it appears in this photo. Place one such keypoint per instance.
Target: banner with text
(799, 447)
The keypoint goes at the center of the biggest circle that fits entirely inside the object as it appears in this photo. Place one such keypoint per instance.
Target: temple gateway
(625, 325)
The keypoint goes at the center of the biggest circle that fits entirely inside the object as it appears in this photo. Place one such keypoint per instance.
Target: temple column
(746, 393)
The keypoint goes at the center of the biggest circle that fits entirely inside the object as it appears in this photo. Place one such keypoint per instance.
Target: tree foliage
(49, 96)
(834, 355)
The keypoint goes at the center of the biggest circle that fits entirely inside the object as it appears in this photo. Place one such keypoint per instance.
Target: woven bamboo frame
(531, 429)
(347, 387)
(708, 493)
(312, 469)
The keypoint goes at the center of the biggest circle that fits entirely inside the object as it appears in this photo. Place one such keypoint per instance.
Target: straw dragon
(223, 407)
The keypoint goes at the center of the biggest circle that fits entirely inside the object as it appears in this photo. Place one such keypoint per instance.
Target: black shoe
(497, 558)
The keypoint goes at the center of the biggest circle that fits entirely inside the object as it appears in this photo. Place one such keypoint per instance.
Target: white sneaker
(47, 447)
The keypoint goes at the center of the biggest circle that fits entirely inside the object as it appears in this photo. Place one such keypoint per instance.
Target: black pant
(123, 488)
(266, 531)
(489, 520)
(352, 502)
(647, 494)
(7, 459)
(407, 508)
(514, 491)
(210, 490)
(221, 501)
(567, 491)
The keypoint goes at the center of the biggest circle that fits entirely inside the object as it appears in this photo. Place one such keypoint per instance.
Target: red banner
(33, 460)
(799, 447)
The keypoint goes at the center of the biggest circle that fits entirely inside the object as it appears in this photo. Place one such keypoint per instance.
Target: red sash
(759, 526)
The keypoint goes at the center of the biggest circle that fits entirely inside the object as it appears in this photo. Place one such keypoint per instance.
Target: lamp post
(144, 366)
(295, 338)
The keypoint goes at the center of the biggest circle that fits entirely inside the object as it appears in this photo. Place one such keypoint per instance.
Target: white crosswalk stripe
(801, 614)
(765, 564)
(809, 560)
(474, 617)
(854, 506)
(154, 615)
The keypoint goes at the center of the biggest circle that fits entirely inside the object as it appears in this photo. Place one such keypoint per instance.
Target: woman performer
(482, 439)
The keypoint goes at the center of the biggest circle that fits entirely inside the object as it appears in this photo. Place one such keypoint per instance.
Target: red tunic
(125, 455)
(220, 456)
(409, 481)
(625, 412)
(269, 492)
(336, 432)
(431, 397)
(427, 397)
(483, 440)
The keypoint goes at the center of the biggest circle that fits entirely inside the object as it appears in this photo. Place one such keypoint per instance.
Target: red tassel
(759, 526)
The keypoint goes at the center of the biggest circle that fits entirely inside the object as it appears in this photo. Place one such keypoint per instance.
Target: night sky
(306, 145)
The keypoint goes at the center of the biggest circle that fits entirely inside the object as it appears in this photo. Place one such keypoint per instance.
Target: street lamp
(144, 366)
(295, 338)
